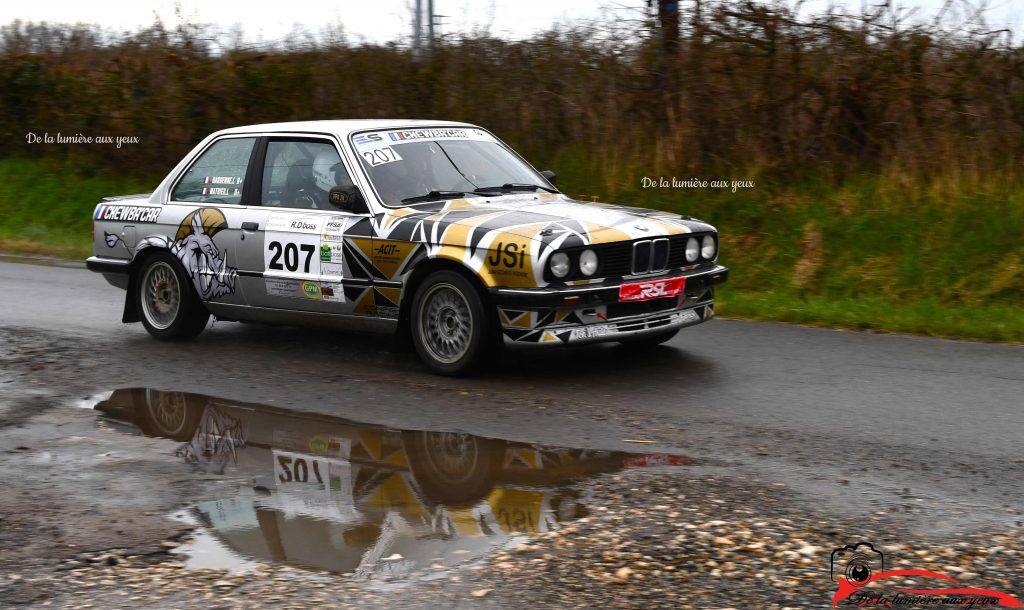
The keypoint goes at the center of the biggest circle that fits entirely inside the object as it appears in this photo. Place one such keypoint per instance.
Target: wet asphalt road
(856, 421)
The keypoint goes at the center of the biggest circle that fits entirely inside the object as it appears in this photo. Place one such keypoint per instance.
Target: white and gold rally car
(435, 228)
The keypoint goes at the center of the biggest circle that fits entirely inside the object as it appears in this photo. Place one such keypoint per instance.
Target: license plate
(685, 317)
(657, 289)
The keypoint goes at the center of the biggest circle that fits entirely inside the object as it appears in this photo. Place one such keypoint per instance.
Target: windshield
(409, 164)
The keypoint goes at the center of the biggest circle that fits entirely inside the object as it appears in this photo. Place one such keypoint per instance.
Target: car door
(295, 259)
(203, 217)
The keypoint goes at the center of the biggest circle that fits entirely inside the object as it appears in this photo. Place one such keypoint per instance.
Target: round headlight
(692, 249)
(707, 247)
(559, 264)
(588, 262)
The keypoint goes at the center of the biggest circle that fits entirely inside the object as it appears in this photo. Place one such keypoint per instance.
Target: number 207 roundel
(645, 291)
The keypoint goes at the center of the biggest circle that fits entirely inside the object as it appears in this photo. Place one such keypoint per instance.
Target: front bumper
(594, 313)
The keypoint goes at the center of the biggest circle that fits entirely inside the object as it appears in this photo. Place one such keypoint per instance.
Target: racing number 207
(291, 256)
(297, 470)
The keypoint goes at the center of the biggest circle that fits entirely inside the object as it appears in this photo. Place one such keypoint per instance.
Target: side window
(300, 174)
(217, 175)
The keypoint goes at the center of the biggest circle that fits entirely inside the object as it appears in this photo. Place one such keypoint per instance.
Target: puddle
(329, 494)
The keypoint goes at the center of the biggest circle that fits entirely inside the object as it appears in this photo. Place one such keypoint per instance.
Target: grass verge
(987, 322)
(945, 262)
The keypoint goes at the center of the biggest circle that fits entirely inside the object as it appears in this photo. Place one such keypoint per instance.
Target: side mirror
(348, 198)
(549, 176)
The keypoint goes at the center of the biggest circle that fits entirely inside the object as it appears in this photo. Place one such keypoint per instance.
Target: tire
(166, 302)
(453, 468)
(450, 327)
(651, 340)
(173, 415)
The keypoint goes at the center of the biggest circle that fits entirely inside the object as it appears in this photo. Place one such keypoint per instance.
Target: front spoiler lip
(648, 324)
(601, 294)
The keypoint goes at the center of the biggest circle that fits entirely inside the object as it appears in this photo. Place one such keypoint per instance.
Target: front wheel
(450, 327)
(167, 304)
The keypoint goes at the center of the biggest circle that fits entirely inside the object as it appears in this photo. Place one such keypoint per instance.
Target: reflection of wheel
(167, 304)
(453, 467)
(173, 415)
(450, 327)
(650, 340)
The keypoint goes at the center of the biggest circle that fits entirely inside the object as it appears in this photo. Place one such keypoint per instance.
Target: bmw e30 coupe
(433, 228)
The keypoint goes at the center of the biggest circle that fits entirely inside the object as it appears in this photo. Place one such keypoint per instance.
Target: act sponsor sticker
(645, 291)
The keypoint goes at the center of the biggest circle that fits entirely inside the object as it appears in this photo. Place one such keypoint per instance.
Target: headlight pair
(560, 263)
(706, 248)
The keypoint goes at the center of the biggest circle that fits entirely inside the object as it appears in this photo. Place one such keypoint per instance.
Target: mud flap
(131, 310)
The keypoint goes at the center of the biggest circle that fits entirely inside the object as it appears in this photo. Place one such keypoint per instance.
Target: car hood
(552, 219)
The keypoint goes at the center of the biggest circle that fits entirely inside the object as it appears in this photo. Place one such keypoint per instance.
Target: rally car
(433, 228)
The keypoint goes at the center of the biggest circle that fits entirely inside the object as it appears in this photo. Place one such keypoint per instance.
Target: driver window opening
(300, 174)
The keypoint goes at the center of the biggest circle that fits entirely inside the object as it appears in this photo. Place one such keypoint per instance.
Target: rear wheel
(451, 329)
(167, 304)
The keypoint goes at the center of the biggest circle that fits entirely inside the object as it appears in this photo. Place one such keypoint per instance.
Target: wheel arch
(422, 271)
(142, 254)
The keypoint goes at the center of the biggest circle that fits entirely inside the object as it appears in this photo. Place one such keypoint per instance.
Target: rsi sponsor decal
(645, 291)
(128, 213)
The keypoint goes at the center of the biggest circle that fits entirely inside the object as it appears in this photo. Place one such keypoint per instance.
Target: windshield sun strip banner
(389, 137)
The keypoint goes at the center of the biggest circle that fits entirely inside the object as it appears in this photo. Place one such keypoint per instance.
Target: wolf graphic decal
(193, 245)
(199, 255)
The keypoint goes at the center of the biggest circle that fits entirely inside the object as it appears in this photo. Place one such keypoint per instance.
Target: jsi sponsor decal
(128, 213)
(645, 291)
(510, 255)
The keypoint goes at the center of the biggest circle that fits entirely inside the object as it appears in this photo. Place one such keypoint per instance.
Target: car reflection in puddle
(362, 500)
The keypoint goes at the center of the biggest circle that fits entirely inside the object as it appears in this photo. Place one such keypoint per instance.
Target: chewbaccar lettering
(128, 213)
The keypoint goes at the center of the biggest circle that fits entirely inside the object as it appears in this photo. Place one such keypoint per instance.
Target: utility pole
(417, 29)
(430, 26)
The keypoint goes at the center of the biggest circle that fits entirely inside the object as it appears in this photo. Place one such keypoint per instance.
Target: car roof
(340, 127)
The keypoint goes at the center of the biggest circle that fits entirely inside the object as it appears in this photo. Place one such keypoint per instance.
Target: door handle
(250, 226)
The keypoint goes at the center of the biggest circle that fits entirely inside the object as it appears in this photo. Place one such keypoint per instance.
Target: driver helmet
(325, 166)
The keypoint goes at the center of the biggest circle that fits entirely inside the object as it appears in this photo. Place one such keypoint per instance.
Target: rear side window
(218, 174)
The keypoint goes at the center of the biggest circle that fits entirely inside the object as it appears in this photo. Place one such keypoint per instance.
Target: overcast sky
(379, 20)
